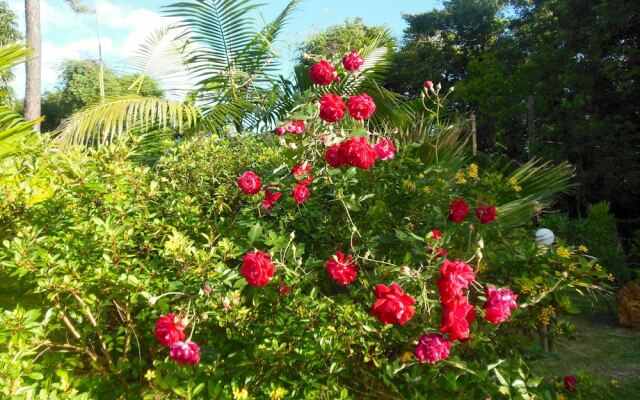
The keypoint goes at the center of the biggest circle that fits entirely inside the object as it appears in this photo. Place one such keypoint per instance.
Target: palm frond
(111, 118)
(14, 131)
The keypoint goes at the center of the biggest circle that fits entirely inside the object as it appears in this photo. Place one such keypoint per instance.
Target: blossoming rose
(358, 152)
(168, 330)
(257, 268)
(334, 157)
(295, 126)
(454, 276)
(486, 214)
(385, 149)
(499, 304)
(392, 306)
(185, 353)
(341, 269)
(361, 106)
(301, 169)
(457, 317)
(458, 210)
(300, 193)
(570, 383)
(432, 348)
(352, 61)
(270, 199)
(249, 182)
(322, 73)
(331, 107)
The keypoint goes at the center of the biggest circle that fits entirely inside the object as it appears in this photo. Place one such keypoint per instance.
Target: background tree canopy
(79, 86)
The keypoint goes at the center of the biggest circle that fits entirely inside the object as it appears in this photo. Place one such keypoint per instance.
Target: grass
(599, 347)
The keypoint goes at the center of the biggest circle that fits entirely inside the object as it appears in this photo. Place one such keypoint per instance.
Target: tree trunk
(33, 84)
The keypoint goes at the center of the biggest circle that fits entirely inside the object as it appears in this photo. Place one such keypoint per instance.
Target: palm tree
(32, 97)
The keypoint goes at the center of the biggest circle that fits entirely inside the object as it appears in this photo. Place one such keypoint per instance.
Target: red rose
(352, 61)
(393, 305)
(435, 238)
(168, 330)
(432, 348)
(334, 157)
(322, 73)
(257, 268)
(428, 85)
(249, 182)
(570, 383)
(300, 193)
(331, 107)
(185, 353)
(486, 214)
(280, 130)
(457, 316)
(295, 126)
(454, 276)
(301, 169)
(270, 199)
(284, 290)
(499, 304)
(341, 269)
(385, 149)
(458, 211)
(358, 152)
(361, 106)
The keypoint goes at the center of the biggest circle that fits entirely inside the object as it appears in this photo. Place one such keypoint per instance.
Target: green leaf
(254, 233)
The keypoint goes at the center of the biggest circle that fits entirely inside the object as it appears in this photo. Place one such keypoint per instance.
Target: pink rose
(257, 268)
(334, 157)
(392, 306)
(361, 106)
(428, 85)
(352, 61)
(280, 130)
(341, 269)
(322, 73)
(385, 149)
(300, 193)
(486, 214)
(358, 152)
(499, 304)
(432, 348)
(331, 107)
(249, 182)
(295, 126)
(169, 330)
(457, 317)
(458, 211)
(185, 353)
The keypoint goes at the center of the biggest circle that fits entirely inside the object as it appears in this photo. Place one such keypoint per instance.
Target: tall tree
(32, 97)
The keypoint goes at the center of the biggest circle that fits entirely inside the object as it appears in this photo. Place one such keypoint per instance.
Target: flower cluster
(458, 313)
(170, 332)
(357, 152)
(294, 126)
(459, 211)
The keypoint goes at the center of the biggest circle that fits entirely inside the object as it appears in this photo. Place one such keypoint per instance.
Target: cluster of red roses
(357, 152)
(250, 183)
(170, 332)
(324, 73)
(459, 210)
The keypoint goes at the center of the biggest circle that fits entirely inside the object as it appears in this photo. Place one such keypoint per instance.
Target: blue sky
(125, 24)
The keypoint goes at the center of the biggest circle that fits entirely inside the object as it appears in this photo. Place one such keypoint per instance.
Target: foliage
(337, 40)
(599, 233)
(79, 87)
(9, 34)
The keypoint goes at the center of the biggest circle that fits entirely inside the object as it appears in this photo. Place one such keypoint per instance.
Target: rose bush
(171, 281)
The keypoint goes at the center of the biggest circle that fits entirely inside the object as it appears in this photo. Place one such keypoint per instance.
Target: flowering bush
(365, 278)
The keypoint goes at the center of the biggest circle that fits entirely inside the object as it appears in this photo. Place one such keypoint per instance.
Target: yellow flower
(406, 356)
(560, 396)
(240, 394)
(473, 171)
(583, 248)
(517, 188)
(408, 184)
(545, 315)
(277, 394)
(426, 189)
(563, 252)
(460, 178)
(150, 375)
(611, 278)
(614, 382)
(513, 181)
(597, 267)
